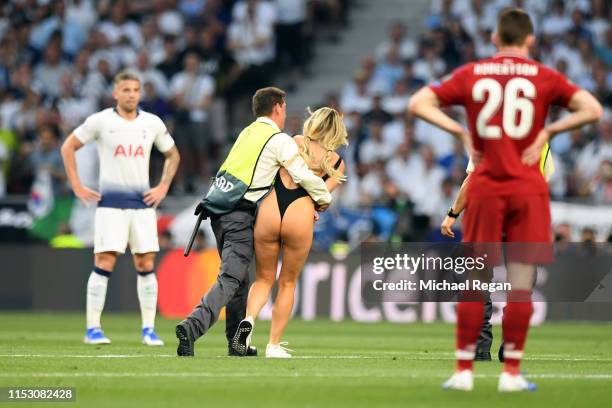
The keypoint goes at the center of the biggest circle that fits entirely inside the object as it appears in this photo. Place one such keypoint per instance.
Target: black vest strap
(259, 188)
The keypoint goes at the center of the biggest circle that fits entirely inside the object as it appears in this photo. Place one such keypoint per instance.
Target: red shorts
(511, 219)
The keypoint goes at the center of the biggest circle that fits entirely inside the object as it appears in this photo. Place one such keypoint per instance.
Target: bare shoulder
(334, 158)
(299, 139)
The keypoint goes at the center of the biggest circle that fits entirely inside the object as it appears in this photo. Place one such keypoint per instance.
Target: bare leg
(517, 314)
(267, 246)
(144, 262)
(521, 276)
(266, 261)
(296, 233)
(105, 260)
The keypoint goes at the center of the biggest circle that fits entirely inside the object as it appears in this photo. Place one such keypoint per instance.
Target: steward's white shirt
(282, 151)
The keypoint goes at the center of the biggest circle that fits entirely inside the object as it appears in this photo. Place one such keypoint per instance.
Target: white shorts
(115, 228)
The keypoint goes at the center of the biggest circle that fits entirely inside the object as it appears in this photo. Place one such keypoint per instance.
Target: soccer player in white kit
(126, 203)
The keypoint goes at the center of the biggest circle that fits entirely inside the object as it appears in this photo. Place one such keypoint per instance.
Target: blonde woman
(285, 223)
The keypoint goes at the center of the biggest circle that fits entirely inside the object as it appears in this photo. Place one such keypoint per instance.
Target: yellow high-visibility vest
(547, 166)
(234, 178)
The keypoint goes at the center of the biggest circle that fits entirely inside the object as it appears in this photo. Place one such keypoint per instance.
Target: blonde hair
(326, 127)
(125, 75)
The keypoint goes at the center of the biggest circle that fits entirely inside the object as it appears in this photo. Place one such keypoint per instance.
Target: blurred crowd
(404, 173)
(200, 61)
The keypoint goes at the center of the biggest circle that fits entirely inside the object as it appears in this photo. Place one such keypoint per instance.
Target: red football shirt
(506, 98)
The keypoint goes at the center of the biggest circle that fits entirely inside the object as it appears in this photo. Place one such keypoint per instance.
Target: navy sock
(102, 272)
(145, 273)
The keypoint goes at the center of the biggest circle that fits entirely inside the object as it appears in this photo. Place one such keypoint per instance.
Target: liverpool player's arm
(426, 103)
(585, 109)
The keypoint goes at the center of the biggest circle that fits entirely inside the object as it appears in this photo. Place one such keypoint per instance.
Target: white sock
(147, 296)
(250, 320)
(96, 296)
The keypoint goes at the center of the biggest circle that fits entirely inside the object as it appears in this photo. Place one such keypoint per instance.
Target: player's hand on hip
(87, 195)
(474, 154)
(154, 196)
(316, 216)
(446, 227)
(531, 155)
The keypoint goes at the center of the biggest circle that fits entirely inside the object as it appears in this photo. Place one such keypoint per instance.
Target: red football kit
(506, 98)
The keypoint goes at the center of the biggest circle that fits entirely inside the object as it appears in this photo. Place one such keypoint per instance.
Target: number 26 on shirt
(516, 97)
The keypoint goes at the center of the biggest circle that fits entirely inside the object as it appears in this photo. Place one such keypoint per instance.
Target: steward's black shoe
(242, 339)
(251, 352)
(500, 353)
(482, 356)
(185, 338)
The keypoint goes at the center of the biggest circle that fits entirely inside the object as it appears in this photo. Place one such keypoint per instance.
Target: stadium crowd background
(200, 60)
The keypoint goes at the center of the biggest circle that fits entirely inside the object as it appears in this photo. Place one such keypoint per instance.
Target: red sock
(515, 325)
(469, 323)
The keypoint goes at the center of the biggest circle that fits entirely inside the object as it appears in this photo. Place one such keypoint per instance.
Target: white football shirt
(124, 149)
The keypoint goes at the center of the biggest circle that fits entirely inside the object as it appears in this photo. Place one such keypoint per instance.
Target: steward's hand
(199, 208)
(446, 227)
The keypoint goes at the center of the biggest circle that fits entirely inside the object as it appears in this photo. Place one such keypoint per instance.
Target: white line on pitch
(434, 357)
(293, 374)
(88, 355)
(402, 355)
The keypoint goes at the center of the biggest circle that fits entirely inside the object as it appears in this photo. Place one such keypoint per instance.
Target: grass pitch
(336, 365)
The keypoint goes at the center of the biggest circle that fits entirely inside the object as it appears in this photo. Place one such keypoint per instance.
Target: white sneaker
(277, 350)
(149, 337)
(460, 381)
(514, 383)
(95, 335)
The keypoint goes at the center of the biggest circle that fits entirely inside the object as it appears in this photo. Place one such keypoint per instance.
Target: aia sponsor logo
(129, 151)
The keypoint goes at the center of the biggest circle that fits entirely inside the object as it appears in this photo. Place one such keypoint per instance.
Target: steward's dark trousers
(485, 340)
(234, 234)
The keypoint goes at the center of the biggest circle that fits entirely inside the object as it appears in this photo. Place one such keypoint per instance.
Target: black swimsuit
(285, 196)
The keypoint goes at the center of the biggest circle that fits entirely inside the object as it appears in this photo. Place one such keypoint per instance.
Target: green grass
(339, 364)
